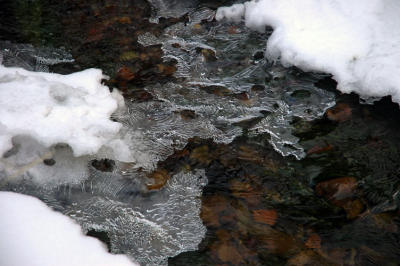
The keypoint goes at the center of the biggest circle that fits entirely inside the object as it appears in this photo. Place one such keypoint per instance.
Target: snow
(33, 234)
(65, 118)
(357, 41)
(72, 109)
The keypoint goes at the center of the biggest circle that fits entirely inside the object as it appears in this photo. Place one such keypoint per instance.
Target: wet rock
(313, 242)
(318, 149)
(228, 253)
(339, 113)
(125, 74)
(258, 87)
(201, 155)
(211, 208)
(217, 90)
(208, 55)
(49, 162)
(245, 191)
(338, 190)
(301, 94)
(242, 96)
(277, 242)
(233, 30)
(353, 208)
(129, 55)
(246, 153)
(103, 165)
(166, 69)
(265, 216)
(188, 114)
(160, 178)
(310, 257)
(102, 236)
(258, 55)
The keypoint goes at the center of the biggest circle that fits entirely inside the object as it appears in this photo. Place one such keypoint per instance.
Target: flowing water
(239, 160)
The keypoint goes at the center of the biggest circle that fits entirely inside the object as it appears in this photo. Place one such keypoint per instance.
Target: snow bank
(64, 118)
(73, 109)
(357, 41)
(33, 234)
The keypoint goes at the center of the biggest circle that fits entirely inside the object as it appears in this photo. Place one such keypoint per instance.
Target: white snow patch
(33, 234)
(73, 109)
(65, 118)
(357, 41)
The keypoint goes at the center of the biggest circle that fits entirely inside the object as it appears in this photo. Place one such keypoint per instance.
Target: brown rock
(314, 241)
(265, 216)
(246, 153)
(279, 243)
(233, 30)
(160, 177)
(338, 190)
(211, 208)
(125, 73)
(227, 252)
(124, 20)
(340, 112)
(201, 154)
(353, 208)
(318, 149)
(245, 191)
(242, 96)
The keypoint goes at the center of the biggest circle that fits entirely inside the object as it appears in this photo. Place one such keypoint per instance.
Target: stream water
(240, 161)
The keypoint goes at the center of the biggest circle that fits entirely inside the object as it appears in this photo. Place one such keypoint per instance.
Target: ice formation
(218, 77)
(33, 234)
(358, 41)
(32, 58)
(171, 8)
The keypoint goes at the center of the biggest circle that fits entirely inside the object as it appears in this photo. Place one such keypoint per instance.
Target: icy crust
(170, 8)
(147, 226)
(223, 83)
(356, 41)
(33, 234)
(32, 58)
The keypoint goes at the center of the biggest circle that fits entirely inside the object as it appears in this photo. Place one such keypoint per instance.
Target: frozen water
(170, 8)
(220, 79)
(30, 57)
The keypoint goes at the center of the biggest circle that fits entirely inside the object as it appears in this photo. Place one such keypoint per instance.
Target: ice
(30, 57)
(170, 8)
(358, 41)
(216, 74)
(33, 234)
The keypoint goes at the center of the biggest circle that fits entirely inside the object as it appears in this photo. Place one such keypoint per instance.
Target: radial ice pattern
(223, 78)
(30, 57)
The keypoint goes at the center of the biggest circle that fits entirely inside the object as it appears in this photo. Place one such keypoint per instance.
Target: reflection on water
(189, 76)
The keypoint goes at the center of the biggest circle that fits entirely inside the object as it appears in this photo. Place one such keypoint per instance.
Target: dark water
(337, 206)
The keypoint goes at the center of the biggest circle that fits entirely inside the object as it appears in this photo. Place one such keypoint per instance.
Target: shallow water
(203, 104)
